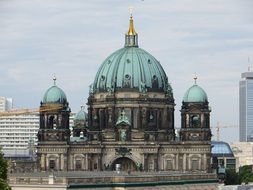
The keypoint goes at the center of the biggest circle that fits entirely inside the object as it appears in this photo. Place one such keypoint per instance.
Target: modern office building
(5, 103)
(246, 107)
(18, 134)
(243, 151)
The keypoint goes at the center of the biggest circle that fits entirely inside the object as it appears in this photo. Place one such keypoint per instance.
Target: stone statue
(110, 90)
(143, 88)
(91, 91)
(123, 135)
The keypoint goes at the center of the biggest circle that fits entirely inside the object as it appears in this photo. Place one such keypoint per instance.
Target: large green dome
(54, 95)
(195, 94)
(131, 68)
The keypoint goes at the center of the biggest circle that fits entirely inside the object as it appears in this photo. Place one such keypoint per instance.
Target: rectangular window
(78, 165)
(151, 166)
(195, 165)
(95, 166)
(52, 164)
(221, 162)
(169, 165)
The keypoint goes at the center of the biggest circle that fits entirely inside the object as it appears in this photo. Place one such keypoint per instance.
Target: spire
(131, 37)
(131, 30)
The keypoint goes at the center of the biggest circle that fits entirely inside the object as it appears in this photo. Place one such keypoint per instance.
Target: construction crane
(218, 127)
(50, 107)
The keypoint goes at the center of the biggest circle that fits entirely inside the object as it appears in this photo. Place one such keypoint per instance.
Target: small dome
(195, 94)
(81, 115)
(54, 95)
(220, 148)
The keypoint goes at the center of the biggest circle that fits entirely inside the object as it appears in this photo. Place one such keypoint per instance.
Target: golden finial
(131, 30)
(195, 79)
(54, 79)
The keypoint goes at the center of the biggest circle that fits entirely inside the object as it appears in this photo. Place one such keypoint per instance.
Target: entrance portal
(126, 164)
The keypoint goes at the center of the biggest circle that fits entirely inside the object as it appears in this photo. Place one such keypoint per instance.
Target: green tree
(245, 174)
(3, 173)
(231, 177)
(248, 177)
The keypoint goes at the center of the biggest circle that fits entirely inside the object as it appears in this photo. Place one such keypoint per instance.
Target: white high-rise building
(18, 133)
(5, 103)
(246, 107)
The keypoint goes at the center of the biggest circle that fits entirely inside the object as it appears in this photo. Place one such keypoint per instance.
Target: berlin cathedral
(129, 121)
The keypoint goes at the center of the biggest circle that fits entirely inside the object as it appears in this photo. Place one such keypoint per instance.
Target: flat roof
(247, 75)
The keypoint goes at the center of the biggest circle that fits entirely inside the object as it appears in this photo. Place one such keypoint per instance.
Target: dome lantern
(131, 69)
(131, 37)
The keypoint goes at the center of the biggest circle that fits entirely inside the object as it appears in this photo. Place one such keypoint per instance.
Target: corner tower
(54, 130)
(131, 81)
(195, 115)
(54, 116)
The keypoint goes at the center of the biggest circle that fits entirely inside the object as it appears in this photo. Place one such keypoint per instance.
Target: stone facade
(130, 121)
(147, 143)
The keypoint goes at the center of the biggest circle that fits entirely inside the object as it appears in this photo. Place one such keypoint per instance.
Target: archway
(126, 164)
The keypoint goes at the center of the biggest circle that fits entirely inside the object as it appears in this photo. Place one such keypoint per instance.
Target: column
(145, 162)
(187, 120)
(184, 162)
(46, 163)
(90, 163)
(58, 162)
(176, 162)
(71, 162)
(189, 162)
(86, 162)
(99, 163)
(62, 162)
(205, 162)
(42, 162)
(155, 162)
(162, 161)
(202, 120)
(83, 163)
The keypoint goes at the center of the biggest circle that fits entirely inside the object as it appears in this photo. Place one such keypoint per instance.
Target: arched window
(195, 121)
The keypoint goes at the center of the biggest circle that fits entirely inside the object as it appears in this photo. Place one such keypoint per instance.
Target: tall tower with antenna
(246, 106)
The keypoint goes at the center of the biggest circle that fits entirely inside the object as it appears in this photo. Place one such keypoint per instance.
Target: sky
(71, 38)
